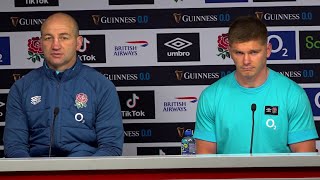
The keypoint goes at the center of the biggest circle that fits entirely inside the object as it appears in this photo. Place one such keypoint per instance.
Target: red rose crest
(223, 44)
(81, 100)
(34, 49)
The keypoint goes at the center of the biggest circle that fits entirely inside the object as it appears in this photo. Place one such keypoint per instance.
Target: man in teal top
(254, 109)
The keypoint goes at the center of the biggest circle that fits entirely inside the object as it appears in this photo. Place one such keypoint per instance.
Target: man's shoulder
(284, 82)
(220, 85)
(223, 81)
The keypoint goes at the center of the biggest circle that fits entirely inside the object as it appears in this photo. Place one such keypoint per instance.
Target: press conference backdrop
(161, 54)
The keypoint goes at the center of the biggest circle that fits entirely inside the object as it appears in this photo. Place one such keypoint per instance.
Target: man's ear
(269, 49)
(79, 42)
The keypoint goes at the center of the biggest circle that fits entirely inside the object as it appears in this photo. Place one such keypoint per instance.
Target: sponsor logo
(16, 77)
(130, 49)
(138, 133)
(178, 47)
(137, 104)
(303, 73)
(178, 44)
(26, 21)
(291, 74)
(178, 106)
(3, 100)
(270, 123)
(185, 18)
(4, 51)
(92, 49)
(142, 76)
(158, 151)
(309, 44)
(132, 102)
(130, 2)
(314, 98)
(98, 19)
(223, 44)
(181, 75)
(267, 16)
(34, 50)
(180, 131)
(153, 132)
(31, 3)
(35, 100)
(283, 45)
(224, 1)
(79, 118)
(271, 110)
(9, 76)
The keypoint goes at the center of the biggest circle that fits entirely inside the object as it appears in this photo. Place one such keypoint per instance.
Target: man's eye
(64, 38)
(47, 38)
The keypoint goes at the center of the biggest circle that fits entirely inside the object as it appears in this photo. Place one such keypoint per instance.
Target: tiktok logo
(137, 105)
(84, 45)
(132, 102)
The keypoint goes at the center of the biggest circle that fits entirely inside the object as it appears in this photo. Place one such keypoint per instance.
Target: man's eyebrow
(61, 34)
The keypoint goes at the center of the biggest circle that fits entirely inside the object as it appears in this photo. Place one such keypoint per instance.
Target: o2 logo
(283, 45)
(314, 98)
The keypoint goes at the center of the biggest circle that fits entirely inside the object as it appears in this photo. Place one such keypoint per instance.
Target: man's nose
(56, 44)
(246, 59)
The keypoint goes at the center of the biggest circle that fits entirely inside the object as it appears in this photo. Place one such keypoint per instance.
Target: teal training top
(283, 115)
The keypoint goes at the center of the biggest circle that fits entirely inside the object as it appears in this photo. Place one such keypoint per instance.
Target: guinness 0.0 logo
(177, 17)
(179, 74)
(259, 15)
(14, 21)
(96, 19)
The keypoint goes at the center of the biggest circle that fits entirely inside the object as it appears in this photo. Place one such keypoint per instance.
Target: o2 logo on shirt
(283, 45)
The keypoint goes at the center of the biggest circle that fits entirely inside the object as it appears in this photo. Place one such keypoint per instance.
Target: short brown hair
(246, 28)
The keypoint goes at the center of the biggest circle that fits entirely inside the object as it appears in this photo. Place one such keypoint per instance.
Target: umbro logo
(178, 44)
(35, 100)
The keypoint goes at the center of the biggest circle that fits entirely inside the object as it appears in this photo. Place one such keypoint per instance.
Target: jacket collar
(67, 74)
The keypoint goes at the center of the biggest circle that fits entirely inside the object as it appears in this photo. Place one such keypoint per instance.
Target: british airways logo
(191, 98)
(131, 48)
(141, 43)
(180, 105)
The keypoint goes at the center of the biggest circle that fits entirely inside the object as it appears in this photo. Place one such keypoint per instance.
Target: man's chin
(248, 75)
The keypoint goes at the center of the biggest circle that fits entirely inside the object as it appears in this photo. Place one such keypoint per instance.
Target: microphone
(253, 109)
(55, 113)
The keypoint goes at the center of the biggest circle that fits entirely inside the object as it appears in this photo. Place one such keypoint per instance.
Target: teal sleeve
(301, 122)
(205, 118)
